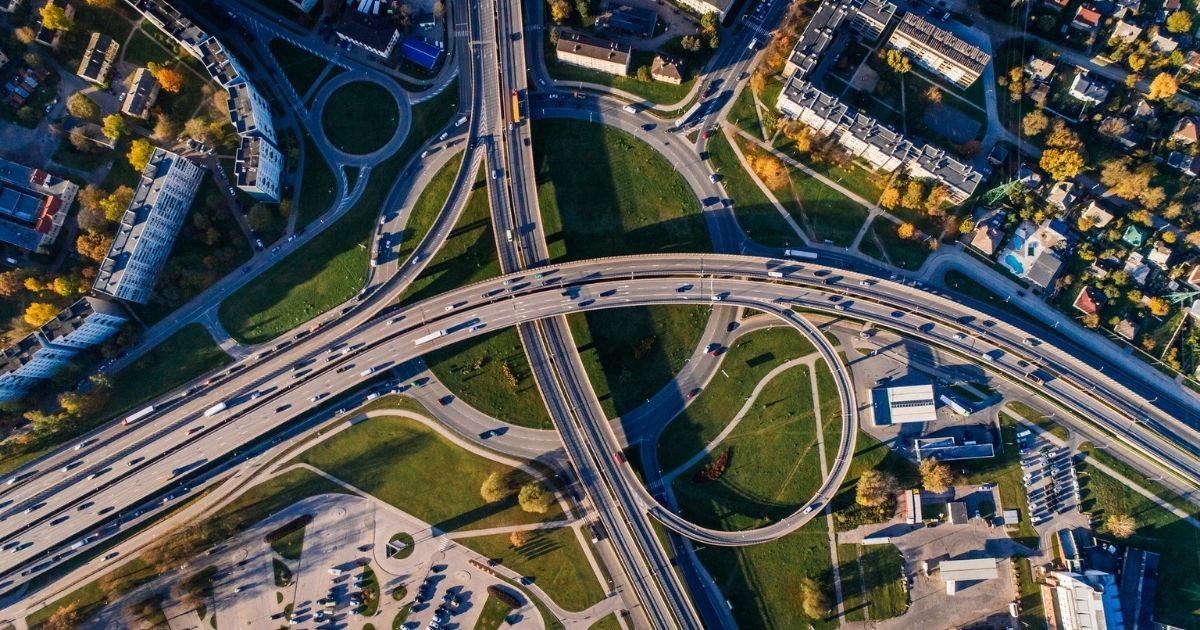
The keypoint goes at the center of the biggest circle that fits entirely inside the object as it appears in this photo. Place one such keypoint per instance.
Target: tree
(1153, 196)
(1162, 87)
(890, 198)
(101, 4)
(33, 285)
(584, 8)
(933, 95)
(690, 43)
(935, 476)
(898, 62)
(914, 195)
(165, 129)
(1061, 163)
(93, 245)
(534, 498)
(80, 106)
(874, 488)
(115, 204)
(1159, 307)
(560, 10)
(643, 74)
(1091, 320)
(81, 141)
(66, 286)
(1120, 525)
(1124, 183)
(25, 35)
(114, 126)
(1179, 22)
(494, 488)
(55, 18)
(198, 130)
(1063, 137)
(259, 217)
(39, 313)
(769, 169)
(169, 79)
(518, 538)
(65, 618)
(140, 151)
(1136, 62)
(10, 284)
(814, 599)
(1115, 127)
(906, 231)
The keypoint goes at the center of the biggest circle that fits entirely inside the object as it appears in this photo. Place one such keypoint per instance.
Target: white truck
(430, 337)
(799, 253)
(215, 409)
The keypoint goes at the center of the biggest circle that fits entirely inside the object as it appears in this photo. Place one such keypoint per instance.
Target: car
(959, 336)
(239, 589)
(714, 178)
(713, 348)
(446, 400)
(110, 556)
(692, 394)
(707, 132)
(258, 244)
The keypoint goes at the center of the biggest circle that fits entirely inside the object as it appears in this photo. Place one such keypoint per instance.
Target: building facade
(938, 50)
(28, 362)
(720, 7)
(149, 227)
(84, 324)
(594, 53)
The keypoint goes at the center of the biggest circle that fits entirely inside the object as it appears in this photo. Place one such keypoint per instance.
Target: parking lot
(1050, 482)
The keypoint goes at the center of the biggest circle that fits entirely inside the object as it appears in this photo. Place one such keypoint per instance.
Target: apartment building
(98, 59)
(223, 67)
(84, 324)
(28, 362)
(879, 146)
(258, 168)
(249, 112)
(33, 206)
(149, 227)
(173, 23)
(720, 7)
(938, 50)
(143, 91)
(594, 53)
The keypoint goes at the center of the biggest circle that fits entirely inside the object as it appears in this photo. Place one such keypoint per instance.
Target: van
(367, 372)
(495, 173)
(461, 121)
(775, 274)
(630, 109)
(508, 235)
(753, 43)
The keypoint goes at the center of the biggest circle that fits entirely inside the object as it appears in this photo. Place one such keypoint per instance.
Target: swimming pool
(1012, 262)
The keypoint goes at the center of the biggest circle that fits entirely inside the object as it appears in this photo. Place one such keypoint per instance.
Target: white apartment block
(938, 50)
(720, 7)
(29, 361)
(594, 53)
(864, 138)
(259, 169)
(250, 112)
(149, 227)
(222, 66)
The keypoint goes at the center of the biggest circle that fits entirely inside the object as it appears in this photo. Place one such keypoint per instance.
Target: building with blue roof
(421, 52)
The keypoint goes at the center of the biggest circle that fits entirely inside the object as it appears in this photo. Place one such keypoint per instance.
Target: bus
(138, 416)
(516, 108)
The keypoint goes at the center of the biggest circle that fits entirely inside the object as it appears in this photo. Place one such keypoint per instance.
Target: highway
(289, 378)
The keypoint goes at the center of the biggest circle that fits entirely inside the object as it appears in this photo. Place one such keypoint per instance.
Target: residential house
(1193, 277)
(1136, 267)
(628, 20)
(1183, 162)
(1163, 45)
(1126, 32)
(872, 17)
(1134, 236)
(1125, 134)
(1086, 19)
(1143, 111)
(1185, 131)
(1056, 5)
(1098, 216)
(667, 69)
(1191, 64)
(582, 50)
(988, 232)
(1062, 195)
(1052, 234)
(99, 57)
(1040, 93)
(939, 50)
(1039, 69)
(1088, 89)
(1089, 301)
(1160, 256)
(362, 28)
(1029, 176)
(48, 36)
(1127, 328)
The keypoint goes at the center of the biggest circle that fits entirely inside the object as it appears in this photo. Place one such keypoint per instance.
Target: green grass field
(774, 466)
(606, 623)
(755, 213)
(1032, 612)
(317, 185)
(414, 468)
(493, 615)
(850, 574)
(467, 256)
(552, 558)
(475, 370)
(904, 253)
(271, 496)
(833, 216)
(831, 410)
(762, 582)
(603, 192)
(182, 357)
(750, 358)
(360, 117)
(90, 598)
(656, 92)
(299, 66)
(743, 113)
(332, 267)
(630, 354)
(1177, 601)
(1033, 416)
(882, 571)
(290, 544)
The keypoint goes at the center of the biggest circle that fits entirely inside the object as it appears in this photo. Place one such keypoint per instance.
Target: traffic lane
(658, 265)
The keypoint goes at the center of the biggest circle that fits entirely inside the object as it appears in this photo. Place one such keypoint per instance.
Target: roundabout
(362, 120)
